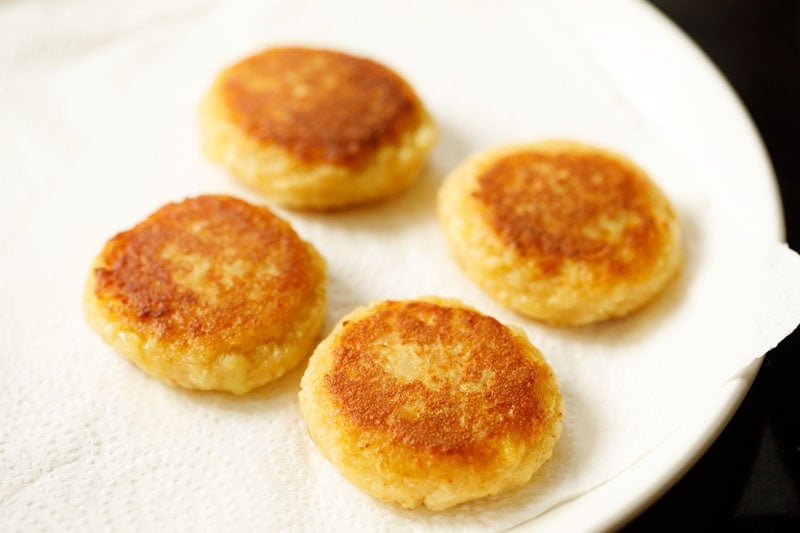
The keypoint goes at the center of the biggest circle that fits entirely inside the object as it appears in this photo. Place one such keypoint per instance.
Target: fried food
(316, 129)
(209, 293)
(429, 402)
(560, 231)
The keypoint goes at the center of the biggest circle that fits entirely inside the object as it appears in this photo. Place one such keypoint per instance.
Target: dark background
(749, 480)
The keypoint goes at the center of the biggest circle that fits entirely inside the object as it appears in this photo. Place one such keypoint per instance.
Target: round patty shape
(209, 293)
(560, 231)
(316, 129)
(429, 402)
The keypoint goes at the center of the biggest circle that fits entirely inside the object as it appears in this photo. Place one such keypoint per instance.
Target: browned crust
(320, 105)
(501, 380)
(586, 206)
(210, 272)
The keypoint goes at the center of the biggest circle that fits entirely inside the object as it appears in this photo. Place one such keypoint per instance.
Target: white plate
(98, 108)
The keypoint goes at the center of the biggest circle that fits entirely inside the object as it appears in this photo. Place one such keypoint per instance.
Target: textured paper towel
(98, 129)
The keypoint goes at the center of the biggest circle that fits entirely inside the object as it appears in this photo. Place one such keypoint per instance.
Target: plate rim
(687, 444)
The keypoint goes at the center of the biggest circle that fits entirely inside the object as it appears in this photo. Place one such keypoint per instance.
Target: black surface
(749, 480)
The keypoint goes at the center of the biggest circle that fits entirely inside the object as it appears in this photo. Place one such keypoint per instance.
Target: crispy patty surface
(322, 106)
(429, 402)
(208, 280)
(561, 231)
(582, 206)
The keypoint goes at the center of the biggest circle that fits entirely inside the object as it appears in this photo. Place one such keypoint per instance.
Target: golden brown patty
(429, 402)
(209, 293)
(561, 231)
(316, 128)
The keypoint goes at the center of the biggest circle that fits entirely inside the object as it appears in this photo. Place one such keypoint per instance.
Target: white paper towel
(98, 129)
